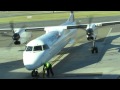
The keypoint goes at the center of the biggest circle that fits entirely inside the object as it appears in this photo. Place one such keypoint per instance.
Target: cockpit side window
(29, 48)
(45, 47)
(38, 48)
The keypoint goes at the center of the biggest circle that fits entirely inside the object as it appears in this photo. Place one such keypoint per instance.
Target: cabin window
(38, 48)
(29, 48)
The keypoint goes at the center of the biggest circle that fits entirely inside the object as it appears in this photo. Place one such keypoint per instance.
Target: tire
(17, 42)
(92, 50)
(96, 50)
(33, 73)
(36, 73)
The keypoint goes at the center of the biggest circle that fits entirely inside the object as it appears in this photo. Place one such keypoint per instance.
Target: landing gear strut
(94, 49)
(34, 73)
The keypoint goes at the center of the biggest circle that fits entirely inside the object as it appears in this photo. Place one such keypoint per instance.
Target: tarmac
(73, 62)
(82, 64)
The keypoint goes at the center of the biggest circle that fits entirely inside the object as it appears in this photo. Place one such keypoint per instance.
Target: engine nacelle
(16, 37)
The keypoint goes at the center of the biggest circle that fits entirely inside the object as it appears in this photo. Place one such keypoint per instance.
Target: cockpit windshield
(41, 47)
(37, 48)
(29, 48)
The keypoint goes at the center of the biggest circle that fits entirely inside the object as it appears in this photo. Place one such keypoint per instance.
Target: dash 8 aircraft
(43, 48)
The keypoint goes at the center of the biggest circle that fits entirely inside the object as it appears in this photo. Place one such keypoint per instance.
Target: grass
(21, 16)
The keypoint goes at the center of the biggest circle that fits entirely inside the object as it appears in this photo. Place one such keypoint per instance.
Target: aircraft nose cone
(29, 67)
(31, 60)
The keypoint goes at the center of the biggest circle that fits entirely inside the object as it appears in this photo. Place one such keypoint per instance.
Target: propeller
(5, 34)
(15, 36)
(11, 23)
(90, 19)
(12, 26)
(21, 37)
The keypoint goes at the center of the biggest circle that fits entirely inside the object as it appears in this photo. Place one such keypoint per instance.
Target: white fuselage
(52, 43)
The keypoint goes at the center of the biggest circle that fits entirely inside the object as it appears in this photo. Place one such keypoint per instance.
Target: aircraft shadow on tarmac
(7, 67)
(86, 62)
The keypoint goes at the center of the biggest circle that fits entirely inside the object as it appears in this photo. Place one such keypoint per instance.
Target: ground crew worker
(48, 67)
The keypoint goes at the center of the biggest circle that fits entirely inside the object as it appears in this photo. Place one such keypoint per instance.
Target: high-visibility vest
(47, 65)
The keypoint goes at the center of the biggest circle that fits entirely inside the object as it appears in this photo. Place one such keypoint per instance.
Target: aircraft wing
(55, 27)
(5, 30)
(41, 28)
(26, 29)
(8, 29)
(34, 29)
(83, 26)
(107, 23)
(51, 28)
(77, 26)
(97, 24)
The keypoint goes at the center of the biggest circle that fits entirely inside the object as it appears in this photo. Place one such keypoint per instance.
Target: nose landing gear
(94, 49)
(34, 73)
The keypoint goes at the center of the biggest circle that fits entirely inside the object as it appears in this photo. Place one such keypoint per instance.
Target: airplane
(43, 48)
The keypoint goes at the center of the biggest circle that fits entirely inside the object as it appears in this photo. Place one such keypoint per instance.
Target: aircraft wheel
(96, 49)
(17, 42)
(34, 73)
(92, 50)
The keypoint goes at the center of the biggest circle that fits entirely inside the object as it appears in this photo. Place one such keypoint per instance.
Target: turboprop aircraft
(43, 48)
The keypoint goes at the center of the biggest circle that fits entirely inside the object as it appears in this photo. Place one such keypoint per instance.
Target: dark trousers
(49, 70)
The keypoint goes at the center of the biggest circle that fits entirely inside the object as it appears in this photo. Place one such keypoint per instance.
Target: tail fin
(71, 18)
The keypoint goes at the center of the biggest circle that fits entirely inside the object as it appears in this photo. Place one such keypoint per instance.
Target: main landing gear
(17, 42)
(94, 49)
(34, 73)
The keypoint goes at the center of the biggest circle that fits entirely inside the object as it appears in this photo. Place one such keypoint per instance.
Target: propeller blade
(90, 19)
(5, 34)
(24, 26)
(12, 26)
(10, 45)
